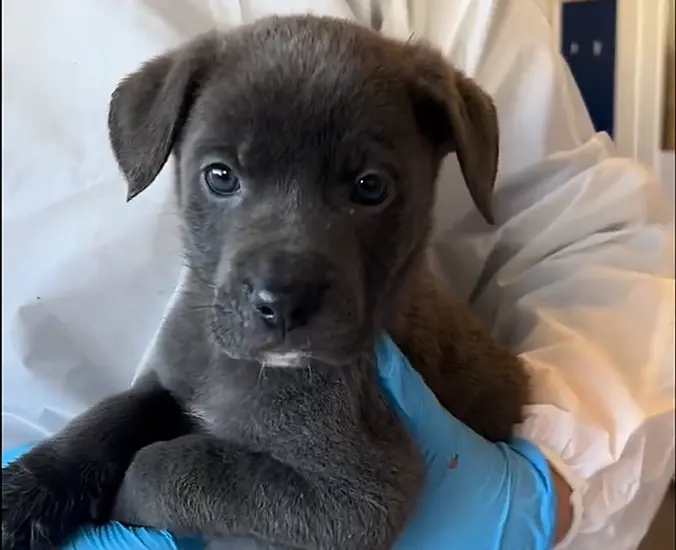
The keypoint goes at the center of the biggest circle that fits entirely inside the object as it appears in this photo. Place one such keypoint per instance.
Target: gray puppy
(306, 155)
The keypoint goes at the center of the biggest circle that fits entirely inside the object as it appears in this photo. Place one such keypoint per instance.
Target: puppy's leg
(480, 382)
(199, 485)
(484, 384)
(72, 479)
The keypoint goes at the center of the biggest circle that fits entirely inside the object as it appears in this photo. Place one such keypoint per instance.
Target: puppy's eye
(369, 190)
(221, 180)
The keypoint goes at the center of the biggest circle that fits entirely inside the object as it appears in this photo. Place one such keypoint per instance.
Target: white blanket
(578, 276)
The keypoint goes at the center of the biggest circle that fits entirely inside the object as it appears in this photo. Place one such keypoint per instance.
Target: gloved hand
(478, 495)
(114, 535)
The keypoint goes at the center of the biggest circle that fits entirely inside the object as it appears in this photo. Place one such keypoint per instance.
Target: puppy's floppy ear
(149, 107)
(457, 115)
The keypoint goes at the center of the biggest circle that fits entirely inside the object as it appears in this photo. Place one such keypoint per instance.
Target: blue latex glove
(478, 495)
(115, 536)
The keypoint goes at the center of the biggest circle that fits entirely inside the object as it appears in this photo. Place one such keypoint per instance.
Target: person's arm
(564, 507)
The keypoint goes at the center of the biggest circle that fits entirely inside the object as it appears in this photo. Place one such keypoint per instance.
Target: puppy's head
(306, 152)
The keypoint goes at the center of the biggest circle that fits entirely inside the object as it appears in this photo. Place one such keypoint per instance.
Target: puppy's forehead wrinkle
(273, 133)
(303, 93)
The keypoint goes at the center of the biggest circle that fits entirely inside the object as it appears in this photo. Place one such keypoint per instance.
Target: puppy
(306, 151)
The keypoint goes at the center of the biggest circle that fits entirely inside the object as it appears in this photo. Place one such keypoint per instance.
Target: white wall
(641, 38)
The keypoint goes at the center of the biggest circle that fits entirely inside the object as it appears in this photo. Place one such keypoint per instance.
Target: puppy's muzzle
(286, 290)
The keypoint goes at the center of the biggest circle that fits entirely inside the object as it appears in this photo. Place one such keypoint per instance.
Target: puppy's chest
(262, 416)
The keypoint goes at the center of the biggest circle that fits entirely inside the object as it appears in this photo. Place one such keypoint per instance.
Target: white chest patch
(288, 360)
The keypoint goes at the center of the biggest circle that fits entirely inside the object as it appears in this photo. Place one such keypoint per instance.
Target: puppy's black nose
(286, 287)
(287, 307)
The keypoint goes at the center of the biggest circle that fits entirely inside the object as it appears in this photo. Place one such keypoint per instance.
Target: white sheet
(578, 276)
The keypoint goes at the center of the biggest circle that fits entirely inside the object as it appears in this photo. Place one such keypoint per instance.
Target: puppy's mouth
(330, 337)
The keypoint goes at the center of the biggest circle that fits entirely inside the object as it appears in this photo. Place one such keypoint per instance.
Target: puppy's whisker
(261, 373)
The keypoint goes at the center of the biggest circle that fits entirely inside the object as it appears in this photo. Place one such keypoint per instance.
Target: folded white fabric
(578, 275)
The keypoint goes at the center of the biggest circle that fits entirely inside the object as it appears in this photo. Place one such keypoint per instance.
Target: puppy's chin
(334, 343)
(285, 356)
(299, 359)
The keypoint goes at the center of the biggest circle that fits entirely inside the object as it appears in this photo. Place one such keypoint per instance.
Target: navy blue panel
(588, 38)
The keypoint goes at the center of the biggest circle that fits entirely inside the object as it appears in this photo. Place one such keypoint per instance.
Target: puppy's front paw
(31, 510)
(44, 501)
